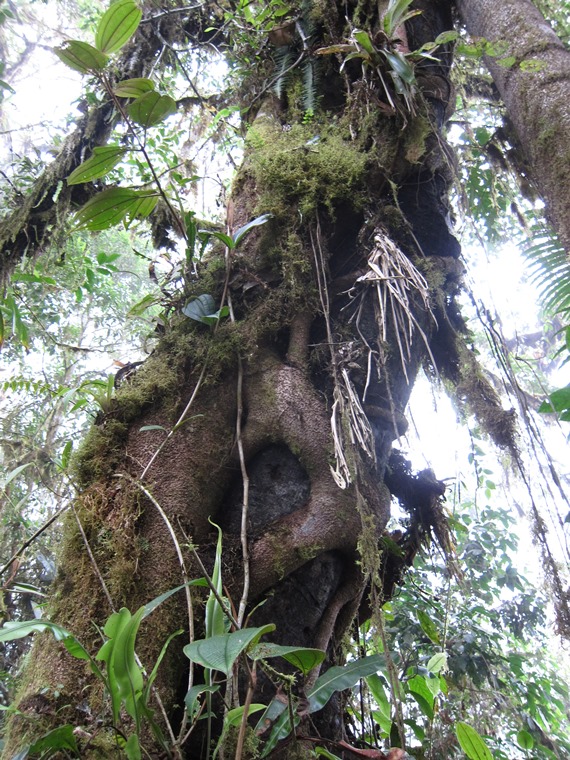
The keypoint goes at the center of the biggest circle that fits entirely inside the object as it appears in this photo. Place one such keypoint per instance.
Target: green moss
(305, 166)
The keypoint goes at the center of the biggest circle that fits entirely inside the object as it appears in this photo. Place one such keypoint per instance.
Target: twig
(27, 543)
(93, 561)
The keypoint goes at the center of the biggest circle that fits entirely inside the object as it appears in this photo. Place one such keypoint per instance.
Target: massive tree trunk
(532, 74)
(336, 301)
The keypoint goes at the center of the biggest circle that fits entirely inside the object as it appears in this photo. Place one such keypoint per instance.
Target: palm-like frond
(549, 268)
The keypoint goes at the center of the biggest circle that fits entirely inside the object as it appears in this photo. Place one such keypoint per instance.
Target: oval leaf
(525, 739)
(438, 663)
(343, 677)
(133, 88)
(471, 743)
(112, 206)
(151, 109)
(117, 25)
(220, 652)
(82, 57)
(101, 162)
(197, 309)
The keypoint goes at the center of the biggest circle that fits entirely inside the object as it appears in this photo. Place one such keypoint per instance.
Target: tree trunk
(535, 88)
(336, 303)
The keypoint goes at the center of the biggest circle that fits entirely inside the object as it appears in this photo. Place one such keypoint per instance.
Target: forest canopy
(231, 528)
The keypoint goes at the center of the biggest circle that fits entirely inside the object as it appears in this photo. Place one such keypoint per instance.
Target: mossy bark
(309, 339)
(532, 74)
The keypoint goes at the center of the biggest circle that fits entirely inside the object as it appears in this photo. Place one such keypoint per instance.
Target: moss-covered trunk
(336, 301)
(532, 72)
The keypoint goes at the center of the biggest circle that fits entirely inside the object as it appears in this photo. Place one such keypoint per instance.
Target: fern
(284, 59)
(549, 270)
(309, 96)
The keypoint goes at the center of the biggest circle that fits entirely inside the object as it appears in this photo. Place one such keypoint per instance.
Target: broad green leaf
(220, 652)
(133, 88)
(401, 66)
(82, 57)
(242, 231)
(303, 658)
(525, 740)
(428, 626)
(151, 108)
(559, 401)
(61, 738)
(143, 206)
(132, 748)
(117, 26)
(234, 717)
(438, 663)
(200, 307)
(471, 743)
(127, 671)
(364, 41)
(100, 163)
(113, 206)
(342, 677)
(420, 689)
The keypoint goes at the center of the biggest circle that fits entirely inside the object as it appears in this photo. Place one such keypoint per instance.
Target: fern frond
(284, 58)
(549, 268)
(309, 93)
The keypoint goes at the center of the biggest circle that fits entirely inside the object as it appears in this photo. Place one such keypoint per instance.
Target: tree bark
(536, 92)
(357, 188)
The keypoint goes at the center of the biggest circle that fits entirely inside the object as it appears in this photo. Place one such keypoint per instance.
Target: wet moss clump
(307, 165)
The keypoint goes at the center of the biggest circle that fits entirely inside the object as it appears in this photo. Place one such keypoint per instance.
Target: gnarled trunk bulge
(335, 303)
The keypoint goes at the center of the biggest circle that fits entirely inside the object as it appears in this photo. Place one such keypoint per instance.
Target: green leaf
(191, 698)
(471, 743)
(133, 88)
(438, 663)
(151, 606)
(342, 677)
(82, 57)
(422, 691)
(100, 163)
(13, 630)
(559, 401)
(152, 108)
(117, 26)
(525, 740)
(428, 626)
(14, 474)
(242, 231)
(220, 652)
(61, 738)
(364, 41)
(450, 36)
(112, 206)
(234, 717)
(303, 658)
(200, 307)
(215, 617)
(132, 748)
